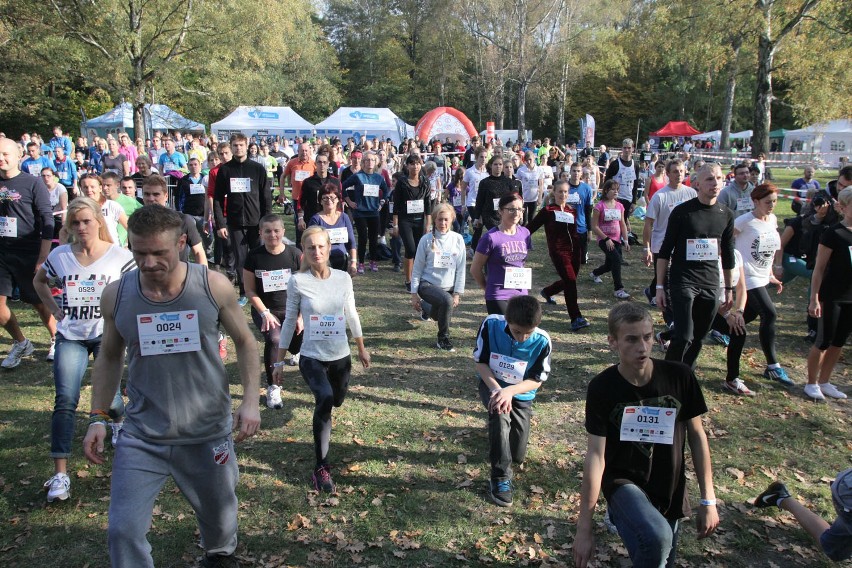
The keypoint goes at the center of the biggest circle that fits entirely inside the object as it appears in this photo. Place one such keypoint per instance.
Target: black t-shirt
(837, 281)
(114, 164)
(793, 246)
(694, 220)
(491, 188)
(191, 204)
(657, 469)
(309, 200)
(259, 260)
(189, 229)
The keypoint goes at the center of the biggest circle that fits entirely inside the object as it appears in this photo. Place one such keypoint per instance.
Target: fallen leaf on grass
(735, 473)
(537, 490)
(461, 458)
(82, 473)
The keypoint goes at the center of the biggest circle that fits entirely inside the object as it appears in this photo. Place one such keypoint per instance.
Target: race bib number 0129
(169, 332)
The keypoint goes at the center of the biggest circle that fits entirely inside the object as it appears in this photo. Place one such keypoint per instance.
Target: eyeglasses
(513, 210)
(329, 198)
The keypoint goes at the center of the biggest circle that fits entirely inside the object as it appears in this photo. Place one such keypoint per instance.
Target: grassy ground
(409, 454)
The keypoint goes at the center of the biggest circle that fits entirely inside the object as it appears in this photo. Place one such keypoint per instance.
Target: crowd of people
(143, 254)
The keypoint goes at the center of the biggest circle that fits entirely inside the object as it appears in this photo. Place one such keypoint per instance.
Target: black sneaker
(547, 299)
(219, 561)
(322, 479)
(408, 287)
(444, 344)
(424, 316)
(500, 492)
(773, 494)
(811, 336)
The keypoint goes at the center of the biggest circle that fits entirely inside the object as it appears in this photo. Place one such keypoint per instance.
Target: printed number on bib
(414, 206)
(301, 175)
(170, 167)
(496, 202)
(240, 185)
(79, 293)
(651, 424)
(169, 332)
(338, 236)
(457, 200)
(371, 190)
(612, 214)
(9, 227)
(574, 199)
(702, 249)
(744, 204)
(564, 217)
(196, 189)
(507, 369)
(275, 280)
(518, 278)
(324, 327)
(34, 169)
(768, 243)
(443, 260)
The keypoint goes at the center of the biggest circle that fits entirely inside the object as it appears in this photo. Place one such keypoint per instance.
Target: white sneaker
(294, 360)
(116, 428)
(273, 397)
(52, 351)
(19, 349)
(58, 487)
(621, 294)
(829, 389)
(814, 392)
(596, 279)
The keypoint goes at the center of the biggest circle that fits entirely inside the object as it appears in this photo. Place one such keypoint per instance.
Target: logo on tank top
(222, 453)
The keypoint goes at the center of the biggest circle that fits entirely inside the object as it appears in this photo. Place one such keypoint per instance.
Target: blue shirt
(367, 206)
(66, 171)
(585, 193)
(176, 160)
(494, 337)
(34, 167)
(63, 141)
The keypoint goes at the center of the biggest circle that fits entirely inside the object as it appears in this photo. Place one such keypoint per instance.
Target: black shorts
(18, 268)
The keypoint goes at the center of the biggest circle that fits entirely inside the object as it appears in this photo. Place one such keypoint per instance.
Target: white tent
(712, 135)
(359, 122)
(120, 119)
(832, 139)
(742, 135)
(506, 135)
(262, 121)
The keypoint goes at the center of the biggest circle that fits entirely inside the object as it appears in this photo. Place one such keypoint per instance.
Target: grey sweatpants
(205, 473)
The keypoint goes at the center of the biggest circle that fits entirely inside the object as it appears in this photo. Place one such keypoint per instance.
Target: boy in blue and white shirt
(512, 358)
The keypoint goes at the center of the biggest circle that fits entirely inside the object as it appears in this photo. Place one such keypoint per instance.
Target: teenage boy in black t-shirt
(639, 414)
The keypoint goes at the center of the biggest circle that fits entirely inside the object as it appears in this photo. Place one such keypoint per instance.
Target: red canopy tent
(674, 129)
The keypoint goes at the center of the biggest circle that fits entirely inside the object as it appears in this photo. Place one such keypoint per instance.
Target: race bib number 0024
(169, 332)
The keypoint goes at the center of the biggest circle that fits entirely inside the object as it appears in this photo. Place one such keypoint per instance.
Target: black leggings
(612, 262)
(497, 307)
(529, 211)
(693, 310)
(410, 231)
(759, 304)
(270, 340)
(368, 232)
(329, 381)
(835, 325)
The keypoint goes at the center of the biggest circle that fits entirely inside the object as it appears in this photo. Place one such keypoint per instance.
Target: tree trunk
(762, 118)
(730, 92)
(522, 111)
(560, 110)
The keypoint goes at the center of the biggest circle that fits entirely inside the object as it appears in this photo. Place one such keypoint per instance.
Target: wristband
(99, 416)
(658, 287)
(729, 288)
(707, 502)
(279, 364)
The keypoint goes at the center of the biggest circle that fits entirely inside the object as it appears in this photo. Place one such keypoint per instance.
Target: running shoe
(621, 294)
(322, 479)
(652, 299)
(116, 430)
(217, 561)
(408, 286)
(547, 299)
(829, 389)
(444, 344)
(595, 278)
(223, 346)
(774, 494)
(242, 301)
(58, 487)
(51, 352)
(663, 343)
(19, 349)
(778, 374)
(373, 266)
(811, 336)
(424, 316)
(814, 392)
(737, 386)
(397, 268)
(500, 492)
(273, 397)
(720, 338)
(360, 268)
(294, 360)
(608, 524)
(579, 323)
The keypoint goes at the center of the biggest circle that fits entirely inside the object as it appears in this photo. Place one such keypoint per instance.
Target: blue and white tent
(120, 119)
(262, 121)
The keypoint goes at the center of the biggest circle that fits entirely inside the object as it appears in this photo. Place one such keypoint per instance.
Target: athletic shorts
(18, 269)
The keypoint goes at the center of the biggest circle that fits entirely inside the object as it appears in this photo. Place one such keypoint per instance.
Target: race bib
(169, 332)
(649, 424)
(507, 369)
(496, 202)
(390, 207)
(170, 167)
(612, 214)
(457, 200)
(323, 327)
(744, 204)
(240, 185)
(301, 175)
(196, 189)
(9, 227)
(64, 175)
(371, 190)
(338, 236)
(443, 260)
(702, 249)
(79, 293)
(275, 280)
(34, 169)
(518, 278)
(574, 199)
(768, 243)
(414, 206)
(564, 217)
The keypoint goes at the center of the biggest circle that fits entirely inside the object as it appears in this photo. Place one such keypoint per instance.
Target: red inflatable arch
(442, 122)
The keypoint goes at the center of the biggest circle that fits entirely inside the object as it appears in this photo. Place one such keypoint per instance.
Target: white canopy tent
(262, 121)
(742, 135)
(506, 135)
(832, 139)
(712, 135)
(360, 122)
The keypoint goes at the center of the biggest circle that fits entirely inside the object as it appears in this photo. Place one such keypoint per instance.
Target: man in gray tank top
(178, 422)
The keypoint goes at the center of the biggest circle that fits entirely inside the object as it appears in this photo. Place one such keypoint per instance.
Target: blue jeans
(650, 538)
(69, 367)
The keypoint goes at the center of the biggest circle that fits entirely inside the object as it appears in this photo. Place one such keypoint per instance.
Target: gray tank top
(175, 398)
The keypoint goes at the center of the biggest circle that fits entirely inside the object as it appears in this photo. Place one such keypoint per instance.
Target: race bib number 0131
(650, 424)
